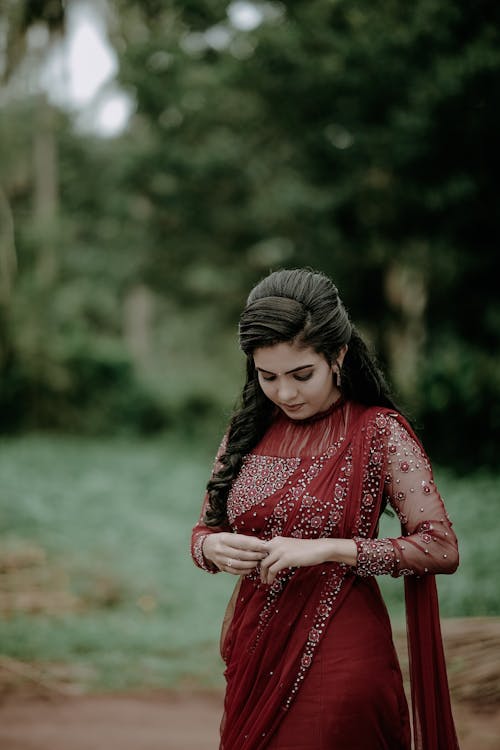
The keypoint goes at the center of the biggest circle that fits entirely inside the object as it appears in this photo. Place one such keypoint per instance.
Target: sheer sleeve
(201, 530)
(428, 543)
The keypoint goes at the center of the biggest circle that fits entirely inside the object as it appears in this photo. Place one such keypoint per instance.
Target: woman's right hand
(234, 553)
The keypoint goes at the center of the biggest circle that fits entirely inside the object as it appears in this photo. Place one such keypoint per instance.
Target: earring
(337, 377)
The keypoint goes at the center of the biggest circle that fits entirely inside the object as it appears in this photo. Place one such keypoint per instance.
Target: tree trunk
(407, 296)
(138, 311)
(8, 268)
(45, 191)
(8, 259)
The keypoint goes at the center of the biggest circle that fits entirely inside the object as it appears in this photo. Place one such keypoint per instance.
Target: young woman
(292, 509)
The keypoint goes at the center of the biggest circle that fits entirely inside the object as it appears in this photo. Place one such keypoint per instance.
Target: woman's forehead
(283, 357)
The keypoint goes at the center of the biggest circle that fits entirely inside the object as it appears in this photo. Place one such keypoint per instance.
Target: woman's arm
(201, 531)
(216, 548)
(428, 543)
(289, 552)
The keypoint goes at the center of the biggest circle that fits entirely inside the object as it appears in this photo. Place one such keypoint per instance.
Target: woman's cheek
(267, 389)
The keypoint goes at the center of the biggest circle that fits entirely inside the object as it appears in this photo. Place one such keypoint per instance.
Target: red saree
(310, 661)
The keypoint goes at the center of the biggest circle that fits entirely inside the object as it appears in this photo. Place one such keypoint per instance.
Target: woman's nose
(286, 392)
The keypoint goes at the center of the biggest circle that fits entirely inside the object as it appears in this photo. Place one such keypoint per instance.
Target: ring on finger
(229, 563)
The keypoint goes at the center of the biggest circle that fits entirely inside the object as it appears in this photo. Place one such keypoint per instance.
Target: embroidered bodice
(293, 452)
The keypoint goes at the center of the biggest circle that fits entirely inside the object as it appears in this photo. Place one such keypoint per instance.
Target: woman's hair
(302, 307)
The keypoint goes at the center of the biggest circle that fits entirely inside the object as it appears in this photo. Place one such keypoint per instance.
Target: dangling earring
(337, 377)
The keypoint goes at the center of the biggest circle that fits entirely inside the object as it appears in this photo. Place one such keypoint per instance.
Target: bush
(95, 392)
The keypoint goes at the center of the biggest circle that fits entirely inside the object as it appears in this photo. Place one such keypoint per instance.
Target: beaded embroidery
(336, 573)
(311, 515)
(394, 464)
(375, 557)
(407, 466)
(259, 478)
(198, 555)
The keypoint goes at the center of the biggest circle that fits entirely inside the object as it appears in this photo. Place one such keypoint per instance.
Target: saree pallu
(276, 638)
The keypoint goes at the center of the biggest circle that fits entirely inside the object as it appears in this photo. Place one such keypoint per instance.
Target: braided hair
(303, 307)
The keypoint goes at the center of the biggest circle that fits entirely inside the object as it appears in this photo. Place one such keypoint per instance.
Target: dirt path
(109, 723)
(159, 723)
(189, 721)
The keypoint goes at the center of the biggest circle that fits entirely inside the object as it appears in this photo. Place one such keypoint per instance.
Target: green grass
(115, 516)
(113, 519)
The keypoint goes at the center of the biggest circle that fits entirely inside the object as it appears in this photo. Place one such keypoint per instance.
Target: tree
(359, 138)
(63, 362)
(356, 137)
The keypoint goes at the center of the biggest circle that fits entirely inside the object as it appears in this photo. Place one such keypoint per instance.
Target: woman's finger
(244, 542)
(269, 560)
(269, 567)
(236, 567)
(242, 554)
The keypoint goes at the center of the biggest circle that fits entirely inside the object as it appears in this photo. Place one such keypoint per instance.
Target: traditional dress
(310, 661)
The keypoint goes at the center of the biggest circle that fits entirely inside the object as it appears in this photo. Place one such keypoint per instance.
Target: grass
(115, 517)
(95, 534)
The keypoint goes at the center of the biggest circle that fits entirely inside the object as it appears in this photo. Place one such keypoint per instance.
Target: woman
(308, 464)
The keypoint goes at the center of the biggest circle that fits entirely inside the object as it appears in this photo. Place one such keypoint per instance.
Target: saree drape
(277, 639)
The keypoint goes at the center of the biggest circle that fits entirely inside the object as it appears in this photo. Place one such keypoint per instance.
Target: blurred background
(157, 159)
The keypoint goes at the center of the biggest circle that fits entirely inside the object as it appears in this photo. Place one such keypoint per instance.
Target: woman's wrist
(341, 551)
(211, 566)
(205, 549)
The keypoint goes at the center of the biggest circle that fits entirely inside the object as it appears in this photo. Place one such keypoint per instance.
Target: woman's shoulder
(380, 421)
(388, 425)
(373, 413)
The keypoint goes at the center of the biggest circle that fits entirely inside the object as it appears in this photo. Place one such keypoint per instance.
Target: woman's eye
(303, 378)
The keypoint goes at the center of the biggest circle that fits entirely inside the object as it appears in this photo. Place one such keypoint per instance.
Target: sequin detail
(198, 555)
(260, 477)
(375, 557)
(409, 487)
(335, 573)
(395, 469)
(314, 517)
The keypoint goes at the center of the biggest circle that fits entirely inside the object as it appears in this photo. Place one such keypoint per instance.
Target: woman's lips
(292, 407)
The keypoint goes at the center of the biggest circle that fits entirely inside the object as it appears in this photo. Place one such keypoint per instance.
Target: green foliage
(461, 386)
(353, 138)
(359, 138)
(100, 531)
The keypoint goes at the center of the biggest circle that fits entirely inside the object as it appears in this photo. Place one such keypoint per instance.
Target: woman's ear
(341, 355)
(337, 366)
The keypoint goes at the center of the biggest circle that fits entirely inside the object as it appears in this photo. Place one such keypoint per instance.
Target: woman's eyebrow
(288, 372)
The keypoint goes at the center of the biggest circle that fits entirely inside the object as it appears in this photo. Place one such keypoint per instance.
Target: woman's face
(299, 381)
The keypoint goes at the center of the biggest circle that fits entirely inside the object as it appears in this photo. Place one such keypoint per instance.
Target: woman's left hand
(288, 552)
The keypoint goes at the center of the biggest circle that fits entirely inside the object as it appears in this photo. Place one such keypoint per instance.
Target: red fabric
(265, 668)
(353, 697)
(433, 726)
(312, 655)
